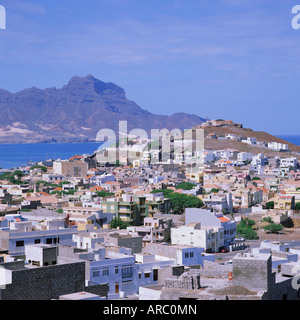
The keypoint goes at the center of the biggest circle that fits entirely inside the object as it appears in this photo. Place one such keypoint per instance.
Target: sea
(16, 155)
(295, 139)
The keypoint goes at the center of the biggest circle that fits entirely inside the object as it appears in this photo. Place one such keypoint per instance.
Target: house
(249, 277)
(249, 140)
(153, 230)
(41, 279)
(186, 255)
(15, 240)
(76, 168)
(147, 268)
(212, 219)
(219, 201)
(120, 238)
(104, 266)
(212, 135)
(209, 238)
(291, 162)
(224, 163)
(135, 208)
(111, 186)
(87, 240)
(283, 202)
(277, 146)
(232, 136)
(244, 156)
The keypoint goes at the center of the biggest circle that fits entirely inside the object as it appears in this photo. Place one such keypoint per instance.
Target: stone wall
(187, 281)
(251, 272)
(45, 283)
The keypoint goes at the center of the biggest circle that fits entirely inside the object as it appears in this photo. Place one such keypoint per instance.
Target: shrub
(273, 228)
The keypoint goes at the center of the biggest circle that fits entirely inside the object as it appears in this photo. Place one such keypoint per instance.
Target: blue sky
(229, 59)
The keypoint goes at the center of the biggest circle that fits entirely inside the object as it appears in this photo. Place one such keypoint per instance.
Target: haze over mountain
(76, 112)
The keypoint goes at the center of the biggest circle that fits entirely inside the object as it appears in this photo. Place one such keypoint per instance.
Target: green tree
(118, 222)
(297, 206)
(256, 178)
(214, 190)
(43, 168)
(180, 201)
(64, 182)
(266, 219)
(103, 193)
(60, 210)
(18, 173)
(270, 205)
(185, 186)
(166, 192)
(245, 229)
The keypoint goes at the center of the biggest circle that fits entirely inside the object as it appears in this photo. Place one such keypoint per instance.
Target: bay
(15, 155)
(294, 139)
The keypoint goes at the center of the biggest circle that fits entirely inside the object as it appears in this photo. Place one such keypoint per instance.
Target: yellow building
(283, 202)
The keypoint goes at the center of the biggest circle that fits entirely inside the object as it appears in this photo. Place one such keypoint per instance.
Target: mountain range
(76, 112)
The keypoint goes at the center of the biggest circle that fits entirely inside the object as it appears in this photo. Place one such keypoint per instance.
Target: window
(127, 271)
(105, 271)
(96, 273)
(116, 270)
(147, 274)
(49, 240)
(186, 255)
(37, 241)
(155, 274)
(56, 240)
(140, 275)
(20, 243)
(191, 254)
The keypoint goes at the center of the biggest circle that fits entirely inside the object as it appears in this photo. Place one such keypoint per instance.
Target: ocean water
(15, 155)
(295, 139)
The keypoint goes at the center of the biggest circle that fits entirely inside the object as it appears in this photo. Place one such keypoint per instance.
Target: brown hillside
(244, 132)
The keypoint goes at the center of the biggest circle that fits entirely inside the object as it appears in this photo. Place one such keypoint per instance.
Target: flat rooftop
(254, 256)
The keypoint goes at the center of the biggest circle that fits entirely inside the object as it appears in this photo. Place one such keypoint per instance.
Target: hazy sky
(229, 59)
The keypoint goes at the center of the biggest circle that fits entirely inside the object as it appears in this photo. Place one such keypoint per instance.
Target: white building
(250, 140)
(244, 156)
(212, 219)
(277, 146)
(211, 239)
(232, 136)
(289, 162)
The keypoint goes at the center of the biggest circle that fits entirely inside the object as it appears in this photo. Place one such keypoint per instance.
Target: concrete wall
(150, 292)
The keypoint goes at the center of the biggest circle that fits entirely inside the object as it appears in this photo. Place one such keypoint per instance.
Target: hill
(222, 130)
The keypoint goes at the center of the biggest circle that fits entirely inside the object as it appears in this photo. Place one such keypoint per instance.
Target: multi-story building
(244, 156)
(212, 219)
(116, 268)
(70, 168)
(218, 201)
(277, 146)
(207, 237)
(153, 230)
(15, 240)
(289, 162)
(135, 208)
(283, 202)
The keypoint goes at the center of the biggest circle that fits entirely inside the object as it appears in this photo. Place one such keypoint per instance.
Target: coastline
(16, 155)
